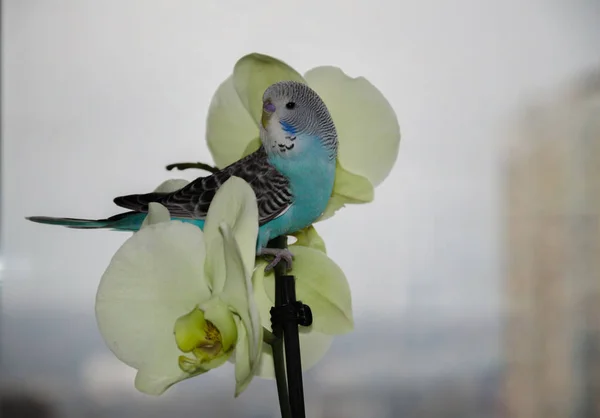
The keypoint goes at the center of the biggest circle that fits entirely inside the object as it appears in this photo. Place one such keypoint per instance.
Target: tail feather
(128, 221)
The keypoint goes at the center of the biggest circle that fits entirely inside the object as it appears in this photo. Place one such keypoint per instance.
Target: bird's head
(294, 115)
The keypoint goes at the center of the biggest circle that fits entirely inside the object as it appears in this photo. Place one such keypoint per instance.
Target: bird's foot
(280, 255)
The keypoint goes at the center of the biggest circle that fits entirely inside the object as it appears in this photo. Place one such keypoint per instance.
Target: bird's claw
(279, 255)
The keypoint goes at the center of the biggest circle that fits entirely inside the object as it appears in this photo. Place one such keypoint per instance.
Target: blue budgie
(292, 174)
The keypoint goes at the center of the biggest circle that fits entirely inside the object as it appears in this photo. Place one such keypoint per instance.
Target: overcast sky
(99, 96)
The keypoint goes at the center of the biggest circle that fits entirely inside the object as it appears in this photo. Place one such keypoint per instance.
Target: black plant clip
(291, 312)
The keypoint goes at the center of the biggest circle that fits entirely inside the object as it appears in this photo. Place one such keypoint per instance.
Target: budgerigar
(292, 174)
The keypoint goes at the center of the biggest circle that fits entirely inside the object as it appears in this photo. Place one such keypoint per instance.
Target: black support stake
(286, 315)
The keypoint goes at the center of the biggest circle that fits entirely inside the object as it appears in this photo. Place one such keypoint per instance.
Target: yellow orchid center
(208, 345)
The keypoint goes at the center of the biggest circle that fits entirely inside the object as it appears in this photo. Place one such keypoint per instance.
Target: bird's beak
(268, 109)
(265, 119)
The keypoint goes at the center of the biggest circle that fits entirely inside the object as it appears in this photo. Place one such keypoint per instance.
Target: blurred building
(552, 286)
(24, 405)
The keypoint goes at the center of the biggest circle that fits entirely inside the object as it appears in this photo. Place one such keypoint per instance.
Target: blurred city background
(475, 272)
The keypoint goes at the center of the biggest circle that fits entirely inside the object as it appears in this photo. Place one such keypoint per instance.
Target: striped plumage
(270, 186)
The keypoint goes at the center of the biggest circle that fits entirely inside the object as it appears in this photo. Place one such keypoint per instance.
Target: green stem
(185, 166)
(268, 336)
(276, 344)
(280, 379)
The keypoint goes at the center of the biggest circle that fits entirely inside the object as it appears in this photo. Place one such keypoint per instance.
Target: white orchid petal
(367, 125)
(153, 279)
(352, 187)
(313, 347)
(321, 285)
(239, 295)
(253, 146)
(155, 381)
(229, 127)
(264, 300)
(235, 205)
(157, 213)
(253, 74)
(335, 203)
(171, 185)
(243, 370)
(309, 237)
(347, 188)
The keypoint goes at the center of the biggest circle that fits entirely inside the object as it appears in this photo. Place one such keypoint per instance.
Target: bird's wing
(271, 188)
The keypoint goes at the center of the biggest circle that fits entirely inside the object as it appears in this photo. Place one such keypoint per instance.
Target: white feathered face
(293, 111)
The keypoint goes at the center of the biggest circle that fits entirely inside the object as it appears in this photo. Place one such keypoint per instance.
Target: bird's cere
(269, 107)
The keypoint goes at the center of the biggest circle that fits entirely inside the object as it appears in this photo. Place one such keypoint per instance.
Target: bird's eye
(290, 105)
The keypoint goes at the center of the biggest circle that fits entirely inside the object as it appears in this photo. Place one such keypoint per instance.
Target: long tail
(128, 221)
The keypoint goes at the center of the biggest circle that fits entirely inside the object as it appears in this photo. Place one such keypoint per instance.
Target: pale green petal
(313, 345)
(235, 205)
(252, 146)
(322, 285)
(154, 381)
(153, 279)
(347, 188)
(239, 295)
(353, 187)
(335, 203)
(308, 237)
(156, 213)
(244, 372)
(229, 127)
(253, 74)
(171, 185)
(367, 125)
(262, 296)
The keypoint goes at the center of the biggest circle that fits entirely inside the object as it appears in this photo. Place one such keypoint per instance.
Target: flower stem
(280, 379)
(276, 344)
(185, 166)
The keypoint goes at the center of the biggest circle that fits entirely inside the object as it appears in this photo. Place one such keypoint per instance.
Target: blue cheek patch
(288, 128)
